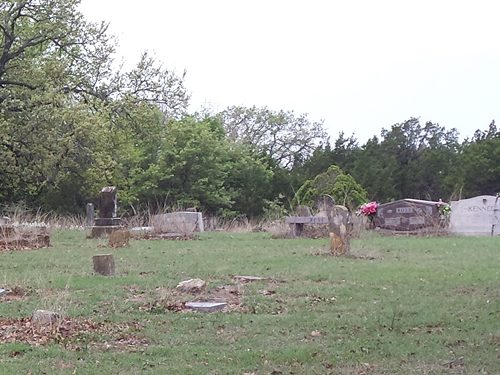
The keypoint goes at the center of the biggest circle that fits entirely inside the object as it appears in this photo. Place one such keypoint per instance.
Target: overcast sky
(359, 65)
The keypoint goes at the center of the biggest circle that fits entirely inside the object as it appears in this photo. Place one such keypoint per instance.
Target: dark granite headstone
(407, 215)
(107, 221)
(107, 202)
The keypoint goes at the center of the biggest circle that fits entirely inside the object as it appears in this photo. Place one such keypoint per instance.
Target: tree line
(72, 122)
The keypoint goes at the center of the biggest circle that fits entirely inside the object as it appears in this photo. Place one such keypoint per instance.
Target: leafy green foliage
(283, 136)
(335, 183)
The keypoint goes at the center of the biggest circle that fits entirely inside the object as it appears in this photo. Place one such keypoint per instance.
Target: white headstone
(478, 216)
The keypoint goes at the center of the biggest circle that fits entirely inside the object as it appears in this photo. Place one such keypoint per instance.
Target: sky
(358, 65)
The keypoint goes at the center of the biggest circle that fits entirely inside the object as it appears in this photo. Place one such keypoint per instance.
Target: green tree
(334, 182)
(411, 161)
(68, 121)
(283, 136)
(480, 163)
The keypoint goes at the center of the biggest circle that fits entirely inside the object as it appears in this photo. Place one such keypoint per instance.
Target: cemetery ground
(397, 305)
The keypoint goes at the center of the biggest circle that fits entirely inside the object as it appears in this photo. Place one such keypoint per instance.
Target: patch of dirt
(23, 238)
(17, 293)
(73, 334)
(135, 294)
(166, 236)
(429, 328)
(347, 256)
(175, 300)
(467, 291)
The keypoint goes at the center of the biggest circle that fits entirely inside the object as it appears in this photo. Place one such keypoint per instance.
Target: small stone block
(206, 306)
(2, 292)
(44, 318)
(191, 286)
(104, 264)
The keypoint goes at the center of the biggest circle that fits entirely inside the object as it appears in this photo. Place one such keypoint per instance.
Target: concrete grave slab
(206, 306)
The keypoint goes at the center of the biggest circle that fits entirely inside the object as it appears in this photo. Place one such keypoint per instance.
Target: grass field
(399, 305)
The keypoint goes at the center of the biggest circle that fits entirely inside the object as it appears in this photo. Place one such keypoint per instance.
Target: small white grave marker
(206, 306)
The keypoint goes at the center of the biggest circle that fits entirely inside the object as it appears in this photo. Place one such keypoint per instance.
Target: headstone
(44, 318)
(324, 202)
(191, 286)
(90, 214)
(107, 222)
(4, 220)
(119, 238)
(408, 215)
(478, 216)
(108, 202)
(2, 292)
(104, 264)
(206, 306)
(178, 222)
(340, 229)
(296, 223)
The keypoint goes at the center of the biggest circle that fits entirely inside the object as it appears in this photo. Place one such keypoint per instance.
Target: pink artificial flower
(369, 208)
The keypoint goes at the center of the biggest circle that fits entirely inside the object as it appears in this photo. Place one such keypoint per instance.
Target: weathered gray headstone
(478, 216)
(191, 286)
(2, 292)
(178, 222)
(340, 229)
(324, 202)
(90, 214)
(104, 264)
(42, 318)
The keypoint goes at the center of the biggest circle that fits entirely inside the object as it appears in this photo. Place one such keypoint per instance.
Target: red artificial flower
(369, 208)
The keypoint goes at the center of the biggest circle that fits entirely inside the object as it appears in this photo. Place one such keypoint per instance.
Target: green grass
(403, 305)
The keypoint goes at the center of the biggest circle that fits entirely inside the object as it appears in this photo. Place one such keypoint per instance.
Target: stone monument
(107, 221)
(478, 216)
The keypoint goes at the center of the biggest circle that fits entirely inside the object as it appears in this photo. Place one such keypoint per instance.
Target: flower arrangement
(444, 208)
(368, 209)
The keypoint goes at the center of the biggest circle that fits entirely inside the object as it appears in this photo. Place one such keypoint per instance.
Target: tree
(335, 183)
(200, 167)
(281, 135)
(480, 163)
(67, 119)
(411, 161)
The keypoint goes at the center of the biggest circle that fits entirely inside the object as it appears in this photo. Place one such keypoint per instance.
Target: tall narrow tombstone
(107, 221)
(90, 214)
(108, 202)
(340, 229)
